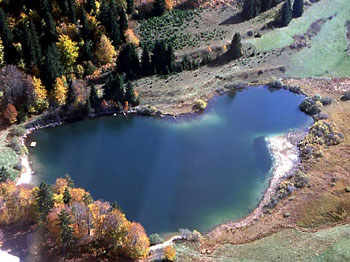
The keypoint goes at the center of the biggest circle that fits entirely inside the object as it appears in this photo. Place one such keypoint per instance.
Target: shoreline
(285, 155)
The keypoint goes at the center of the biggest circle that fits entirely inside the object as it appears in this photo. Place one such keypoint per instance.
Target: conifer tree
(115, 34)
(65, 223)
(93, 97)
(257, 7)
(130, 94)
(71, 11)
(31, 46)
(85, 32)
(7, 39)
(128, 61)
(123, 22)
(170, 58)
(44, 200)
(235, 49)
(67, 197)
(146, 61)
(114, 89)
(248, 9)
(266, 5)
(286, 13)
(49, 28)
(52, 67)
(130, 6)
(298, 8)
(159, 7)
(159, 57)
(64, 7)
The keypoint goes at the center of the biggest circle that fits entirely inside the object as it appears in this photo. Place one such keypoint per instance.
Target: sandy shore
(26, 176)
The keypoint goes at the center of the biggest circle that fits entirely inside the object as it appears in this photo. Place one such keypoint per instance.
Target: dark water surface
(195, 172)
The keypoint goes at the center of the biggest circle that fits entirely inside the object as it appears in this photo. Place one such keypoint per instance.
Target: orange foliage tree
(60, 91)
(136, 243)
(10, 113)
(105, 51)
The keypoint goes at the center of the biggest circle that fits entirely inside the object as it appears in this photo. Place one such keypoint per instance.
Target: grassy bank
(8, 157)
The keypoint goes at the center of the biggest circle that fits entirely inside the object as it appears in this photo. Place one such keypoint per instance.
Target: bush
(346, 96)
(326, 101)
(147, 110)
(300, 179)
(310, 106)
(16, 144)
(155, 239)
(275, 83)
(19, 131)
(200, 105)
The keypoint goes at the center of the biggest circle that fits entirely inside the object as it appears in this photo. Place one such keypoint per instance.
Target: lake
(194, 172)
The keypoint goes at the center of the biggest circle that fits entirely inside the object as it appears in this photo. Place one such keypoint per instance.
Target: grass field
(327, 55)
(8, 157)
(288, 245)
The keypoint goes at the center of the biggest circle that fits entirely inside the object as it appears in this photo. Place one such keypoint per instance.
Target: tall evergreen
(64, 7)
(31, 47)
(257, 7)
(235, 49)
(128, 61)
(52, 67)
(130, 6)
(44, 199)
(86, 52)
(67, 197)
(248, 11)
(159, 7)
(159, 57)
(71, 11)
(286, 13)
(85, 32)
(7, 39)
(266, 5)
(93, 97)
(65, 223)
(49, 28)
(130, 94)
(114, 89)
(123, 21)
(114, 34)
(298, 8)
(170, 58)
(146, 61)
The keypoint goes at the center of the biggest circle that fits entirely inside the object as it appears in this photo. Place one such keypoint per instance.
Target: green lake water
(193, 172)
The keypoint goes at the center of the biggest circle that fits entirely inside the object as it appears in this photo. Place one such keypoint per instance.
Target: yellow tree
(169, 5)
(105, 51)
(39, 94)
(136, 243)
(169, 253)
(60, 91)
(69, 50)
(131, 37)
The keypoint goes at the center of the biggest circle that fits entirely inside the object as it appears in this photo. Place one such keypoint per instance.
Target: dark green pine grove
(298, 8)
(286, 13)
(128, 61)
(52, 67)
(32, 53)
(7, 38)
(130, 6)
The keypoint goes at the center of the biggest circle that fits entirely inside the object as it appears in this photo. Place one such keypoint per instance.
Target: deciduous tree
(59, 93)
(10, 113)
(105, 51)
(69, 50)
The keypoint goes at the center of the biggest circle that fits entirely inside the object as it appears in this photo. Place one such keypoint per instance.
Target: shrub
(169, 253)
(326, 101)
(19, 131)
(346, 96)
(155, 239)
(310, 106)
(200, 104)
(300, 179)
(16, 144)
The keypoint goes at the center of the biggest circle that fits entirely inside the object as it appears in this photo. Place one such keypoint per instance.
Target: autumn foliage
(10, 113)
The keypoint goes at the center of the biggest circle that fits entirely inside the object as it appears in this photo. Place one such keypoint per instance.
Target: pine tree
(86, 52)
(146, 61)
(248, 9)
(159, 7)
(85, 32)
(123, 22)
(286, 13)
(298, 8)
(44, 199)
(257, 7)
(49, 28)
(115, 34)
(130, 93)
(52, 67)
(170, 58)
(266, 5)
(130, 6)
(7, 39)
(159, 57)
(65, 223)
(64, 7)
(114, 89)
(128, 61)
(235, 49)
(67, 197)
(94, 100)
(31, 46)
(71, 11)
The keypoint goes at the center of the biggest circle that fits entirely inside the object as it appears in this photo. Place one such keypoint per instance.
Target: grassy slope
(326, 57)
(8, 157)
(288, 245)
